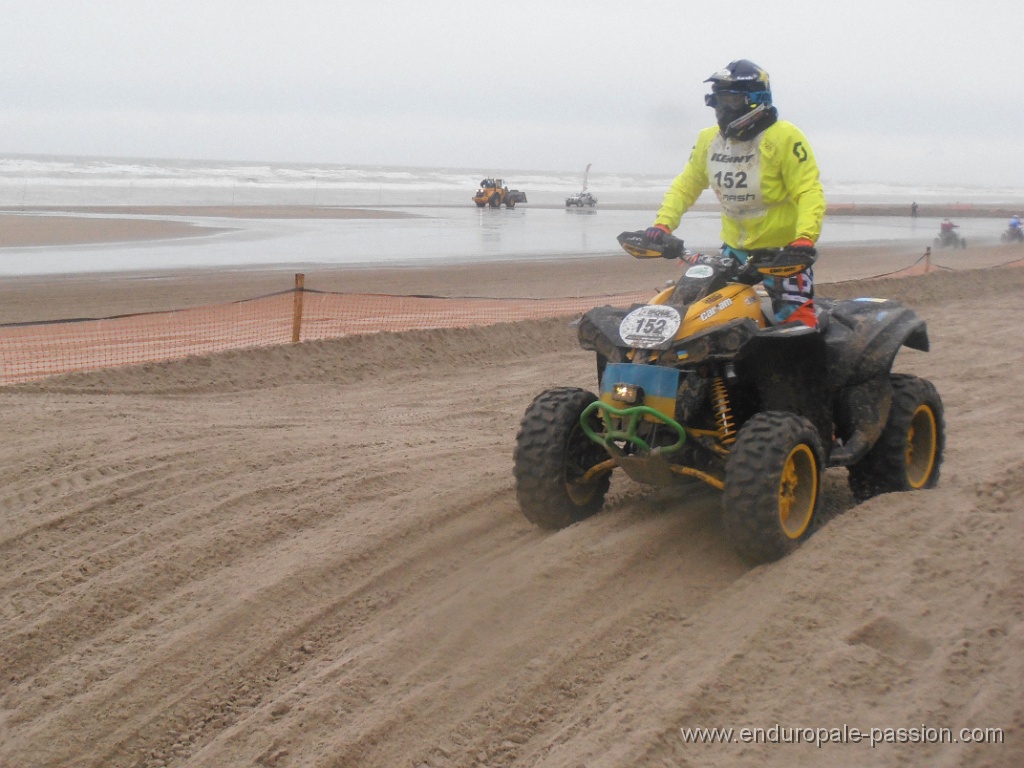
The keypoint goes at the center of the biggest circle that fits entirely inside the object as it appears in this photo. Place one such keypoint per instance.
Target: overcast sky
(914, 91)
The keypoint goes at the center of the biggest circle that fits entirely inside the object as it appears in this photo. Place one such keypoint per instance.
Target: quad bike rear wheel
(772, 483)
(552, 455)
(908, 455)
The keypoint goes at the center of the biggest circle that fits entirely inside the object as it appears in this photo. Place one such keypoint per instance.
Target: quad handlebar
(777, 262)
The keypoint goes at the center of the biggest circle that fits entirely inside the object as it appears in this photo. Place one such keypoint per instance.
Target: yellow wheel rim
(798, 491)
(922, 446)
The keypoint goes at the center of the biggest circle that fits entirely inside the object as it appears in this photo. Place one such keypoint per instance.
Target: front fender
(598, 330)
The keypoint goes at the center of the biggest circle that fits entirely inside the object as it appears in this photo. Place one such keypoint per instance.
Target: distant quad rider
(948, 236)
(1014, 232)
(766, 179)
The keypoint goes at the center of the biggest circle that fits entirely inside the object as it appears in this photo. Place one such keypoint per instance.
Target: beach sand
(312, 554)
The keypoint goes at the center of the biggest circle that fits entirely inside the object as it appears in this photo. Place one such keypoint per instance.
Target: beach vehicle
(582, 198)
(701, 385)
(1012, 235)
(492, 193)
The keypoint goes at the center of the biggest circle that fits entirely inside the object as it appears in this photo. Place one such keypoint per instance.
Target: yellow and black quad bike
(701, 382)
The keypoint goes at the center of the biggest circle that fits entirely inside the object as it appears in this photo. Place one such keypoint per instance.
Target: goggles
(732, 99)
(726, 99)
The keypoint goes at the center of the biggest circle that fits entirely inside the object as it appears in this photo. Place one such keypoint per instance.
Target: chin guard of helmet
(742, 127)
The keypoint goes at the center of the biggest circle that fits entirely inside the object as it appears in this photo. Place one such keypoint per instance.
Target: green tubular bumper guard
(632, 416)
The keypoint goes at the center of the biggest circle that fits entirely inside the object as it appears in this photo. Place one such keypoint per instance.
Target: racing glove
(801, 247)
(656, 233)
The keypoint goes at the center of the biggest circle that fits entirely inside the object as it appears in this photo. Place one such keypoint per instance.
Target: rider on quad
(766, 179)
(948, 236)
(1014, 231)
(701, 383)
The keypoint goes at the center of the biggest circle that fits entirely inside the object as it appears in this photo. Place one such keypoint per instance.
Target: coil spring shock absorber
(723, 411)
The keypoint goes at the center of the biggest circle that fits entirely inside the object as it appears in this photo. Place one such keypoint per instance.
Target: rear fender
(861, 414)
(864, 335)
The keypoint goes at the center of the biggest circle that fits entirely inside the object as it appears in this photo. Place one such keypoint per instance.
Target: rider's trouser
(792, 297)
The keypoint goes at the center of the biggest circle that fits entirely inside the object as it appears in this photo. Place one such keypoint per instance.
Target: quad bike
(702, 384)
(949, 239)
(1013, 235)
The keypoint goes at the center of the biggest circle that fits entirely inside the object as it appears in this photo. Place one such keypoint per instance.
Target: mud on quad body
(701, 383)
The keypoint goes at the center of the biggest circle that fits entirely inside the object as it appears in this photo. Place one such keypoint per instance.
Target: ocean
(446, 225)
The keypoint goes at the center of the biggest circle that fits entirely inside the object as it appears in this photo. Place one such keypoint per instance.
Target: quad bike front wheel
(908, 455)
(552, 455)
(772, 483)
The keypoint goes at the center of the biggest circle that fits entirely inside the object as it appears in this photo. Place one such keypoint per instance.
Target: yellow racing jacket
(768, 187)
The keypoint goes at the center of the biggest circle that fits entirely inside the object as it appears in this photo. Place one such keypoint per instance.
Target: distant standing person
(913, 209)
(766, 179)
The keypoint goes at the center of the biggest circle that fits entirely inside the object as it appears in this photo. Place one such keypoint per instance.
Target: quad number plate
(699, 272)
(649, 326)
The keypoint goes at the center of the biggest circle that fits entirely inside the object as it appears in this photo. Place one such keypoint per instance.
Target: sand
(21, 230)
(311, 555)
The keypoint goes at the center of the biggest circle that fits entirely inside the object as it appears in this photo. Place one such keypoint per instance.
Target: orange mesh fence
(34, 350)
(329, 315)
(31, 351)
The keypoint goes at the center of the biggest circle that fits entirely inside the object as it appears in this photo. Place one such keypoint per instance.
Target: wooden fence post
(300, 281)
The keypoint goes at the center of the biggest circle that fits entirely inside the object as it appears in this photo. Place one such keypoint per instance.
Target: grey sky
(916, 92)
